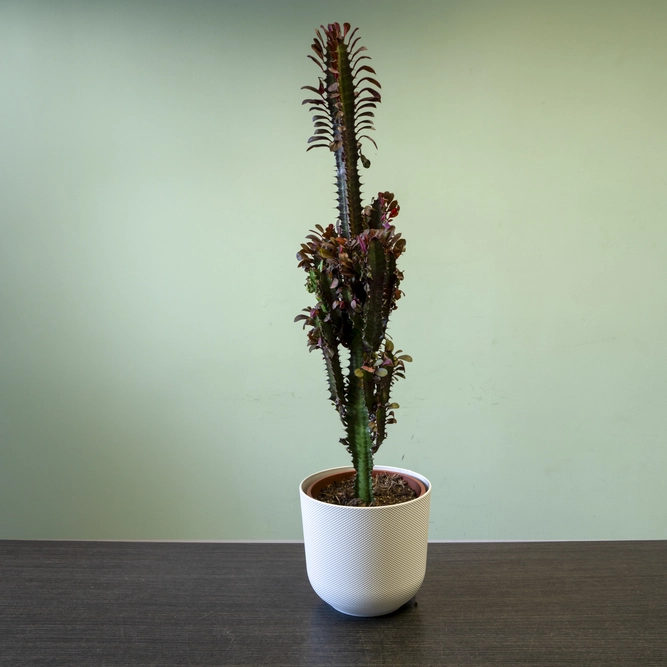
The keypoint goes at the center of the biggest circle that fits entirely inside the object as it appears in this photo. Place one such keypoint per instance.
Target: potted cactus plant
(363, 557)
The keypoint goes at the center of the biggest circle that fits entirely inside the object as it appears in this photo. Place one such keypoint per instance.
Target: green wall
(154, 190)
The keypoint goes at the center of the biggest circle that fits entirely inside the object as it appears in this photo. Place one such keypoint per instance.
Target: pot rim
(315, 477)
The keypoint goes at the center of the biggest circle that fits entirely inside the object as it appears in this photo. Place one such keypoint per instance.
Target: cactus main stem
(349, 137)
(358, 435)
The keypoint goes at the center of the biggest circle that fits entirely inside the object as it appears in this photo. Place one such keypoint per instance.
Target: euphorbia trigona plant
(351, 265)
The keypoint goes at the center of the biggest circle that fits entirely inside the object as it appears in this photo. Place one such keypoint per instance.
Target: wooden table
(118, 603)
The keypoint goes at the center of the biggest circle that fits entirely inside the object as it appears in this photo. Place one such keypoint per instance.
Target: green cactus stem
(351, 265)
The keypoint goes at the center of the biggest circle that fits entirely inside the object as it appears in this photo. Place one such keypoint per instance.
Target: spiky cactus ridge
(351, 265)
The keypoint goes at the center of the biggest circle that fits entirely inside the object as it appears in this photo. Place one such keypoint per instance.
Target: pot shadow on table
(333, 638)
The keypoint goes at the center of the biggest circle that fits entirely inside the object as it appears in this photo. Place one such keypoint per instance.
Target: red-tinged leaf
(365, 136)
(352, 44)
(371, 80)
(318, 102)
(369, 114)
(298, 318)
(364, 68)
(346, 28)
(319, 228)
(317, 62)
(354, 63)
(358, 51)
(370, 91)
(315, 90)
(316, 146)
(369, 369)
(333, 88)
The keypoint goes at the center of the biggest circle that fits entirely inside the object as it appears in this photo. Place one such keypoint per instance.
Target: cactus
(351, 265)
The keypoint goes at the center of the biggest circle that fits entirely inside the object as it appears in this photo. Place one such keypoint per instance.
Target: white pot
(365, 561)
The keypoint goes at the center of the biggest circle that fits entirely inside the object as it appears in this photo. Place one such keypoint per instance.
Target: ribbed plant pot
(365, 561)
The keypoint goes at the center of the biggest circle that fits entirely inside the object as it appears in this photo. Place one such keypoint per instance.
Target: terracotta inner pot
(314, 489)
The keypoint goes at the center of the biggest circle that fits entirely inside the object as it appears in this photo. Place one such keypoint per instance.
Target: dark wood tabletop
(123, 603)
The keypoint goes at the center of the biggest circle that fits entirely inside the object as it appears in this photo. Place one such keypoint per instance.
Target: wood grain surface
(513, 604)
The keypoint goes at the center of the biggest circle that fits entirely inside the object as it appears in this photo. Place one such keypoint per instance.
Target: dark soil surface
(388, 489)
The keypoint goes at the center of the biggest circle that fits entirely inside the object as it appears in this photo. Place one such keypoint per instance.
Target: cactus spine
(351, 265)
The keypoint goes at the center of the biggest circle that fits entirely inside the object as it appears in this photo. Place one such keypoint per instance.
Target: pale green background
(154, 190)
